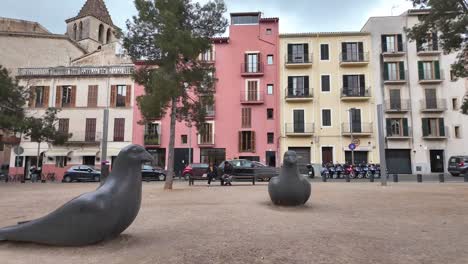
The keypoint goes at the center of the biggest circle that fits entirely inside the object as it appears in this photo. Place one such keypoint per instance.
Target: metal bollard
(441, 177)
(395, 177)
(324, 178)
(419, 177)
(371, 178)
(347, 178)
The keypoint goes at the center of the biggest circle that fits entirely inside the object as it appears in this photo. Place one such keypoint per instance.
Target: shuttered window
(119, 129)
(326, 117)
(270, 113)
(206, 134)
(63, 125)
(246, 141)
(397, 127)
(90, 134)
(92, 95)
(270, 138)
(252, 91)
(324, 52)
(325, 79)
(246, 117)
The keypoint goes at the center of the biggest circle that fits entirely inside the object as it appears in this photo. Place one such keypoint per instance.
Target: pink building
(244, 123)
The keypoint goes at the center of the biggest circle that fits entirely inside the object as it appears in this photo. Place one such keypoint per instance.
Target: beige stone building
(327, 97)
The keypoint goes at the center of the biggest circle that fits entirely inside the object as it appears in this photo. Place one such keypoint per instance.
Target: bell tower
(92, 27)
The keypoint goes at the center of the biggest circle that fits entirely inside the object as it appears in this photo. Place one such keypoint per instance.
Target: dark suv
(458, 165)
(81, 173)
(149, 173)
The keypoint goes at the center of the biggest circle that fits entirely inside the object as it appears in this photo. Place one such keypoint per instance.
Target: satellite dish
(18, 150)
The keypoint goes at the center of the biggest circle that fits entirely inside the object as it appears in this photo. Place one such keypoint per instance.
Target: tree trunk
(38, 154)
(170, 158)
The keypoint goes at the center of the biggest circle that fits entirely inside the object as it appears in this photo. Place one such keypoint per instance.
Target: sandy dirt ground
(342, 223)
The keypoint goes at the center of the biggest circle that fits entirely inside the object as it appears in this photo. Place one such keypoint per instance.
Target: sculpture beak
(147, 157)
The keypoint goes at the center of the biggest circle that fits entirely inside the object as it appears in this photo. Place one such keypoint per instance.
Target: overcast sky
(295, 15)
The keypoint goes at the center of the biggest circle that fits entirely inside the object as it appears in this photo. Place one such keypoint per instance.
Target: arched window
(81, 31)
(101, 33)
(109, 35)
(74, 31)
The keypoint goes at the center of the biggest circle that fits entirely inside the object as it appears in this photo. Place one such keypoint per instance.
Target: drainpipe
(409, 92)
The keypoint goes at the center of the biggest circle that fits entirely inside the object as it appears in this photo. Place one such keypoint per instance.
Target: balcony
(207, 57)
(354, 59)
(436, 134)
(400, 135)
(299, 129)
(83, 138)
(431, 77)
(210, 113)
(355, 94)
(394, 107)
(394, 53)
(298, 61)
(359, 129)
(298, 94)
(396, 78)
(429, 50)
(152, 140)
(252, 69)
(252, 97)
(433, 106)
(77, 71)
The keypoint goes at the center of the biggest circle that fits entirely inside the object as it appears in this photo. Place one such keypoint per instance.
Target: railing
(76, 71)
(206, 139)
(427, 47)
(353, 57)
(432, 76)
(433, 105)
(299, 128)
(402, 105)
(292, 93)
(208, 57)
(438, 134)
(299, 58)
(358, 128)
(252, 97)
(395, 50)
(397, 77)
(252, 68)
(401, 133)
(210, 113)
(84, 137)
(354, 92)
(153, 140)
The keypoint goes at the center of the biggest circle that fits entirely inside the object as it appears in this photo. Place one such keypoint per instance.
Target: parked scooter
(310, 171)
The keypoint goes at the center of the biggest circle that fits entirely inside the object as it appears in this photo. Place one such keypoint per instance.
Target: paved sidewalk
(356, 223)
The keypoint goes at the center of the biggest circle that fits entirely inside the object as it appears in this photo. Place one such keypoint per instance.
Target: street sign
(18, 150)
(356, 142)
(352, 146)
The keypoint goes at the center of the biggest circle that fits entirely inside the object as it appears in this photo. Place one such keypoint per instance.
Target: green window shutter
(437, 70)
(384, 43)
(420, 70)
(389, 127)
(306, 52)
(385, 71)
(441, 127)
(405, 127)
(425, 127)
(402, 70)
(400, 42)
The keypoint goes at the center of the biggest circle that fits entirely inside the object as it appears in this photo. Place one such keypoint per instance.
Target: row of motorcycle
(357, 171)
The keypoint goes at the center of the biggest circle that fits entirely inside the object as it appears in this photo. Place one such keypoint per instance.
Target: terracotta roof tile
(94, 8)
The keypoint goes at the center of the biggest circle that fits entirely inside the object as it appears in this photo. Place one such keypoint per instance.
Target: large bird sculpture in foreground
(92, 217)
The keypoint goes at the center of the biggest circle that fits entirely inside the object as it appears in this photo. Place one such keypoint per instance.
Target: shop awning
(58, 153)
(85, 152)
(110, 152)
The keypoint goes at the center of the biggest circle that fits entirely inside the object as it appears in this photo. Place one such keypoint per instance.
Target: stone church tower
(93, 26)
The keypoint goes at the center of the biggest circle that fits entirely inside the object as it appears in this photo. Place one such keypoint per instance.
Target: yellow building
(326, 97)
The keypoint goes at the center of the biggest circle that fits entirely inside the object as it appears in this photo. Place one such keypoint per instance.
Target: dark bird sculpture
(92, 217)
(290, 188)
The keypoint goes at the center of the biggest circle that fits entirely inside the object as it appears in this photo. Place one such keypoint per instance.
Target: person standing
(211, 173)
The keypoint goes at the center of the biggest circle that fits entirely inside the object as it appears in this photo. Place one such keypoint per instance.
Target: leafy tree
(12, 100)
(170, 35)
(450, 18)
(44, 129)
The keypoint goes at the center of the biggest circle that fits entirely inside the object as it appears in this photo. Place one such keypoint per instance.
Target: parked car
(149, 173)
(458, 165)
(82, 173)
(246, 169)
(196, 170)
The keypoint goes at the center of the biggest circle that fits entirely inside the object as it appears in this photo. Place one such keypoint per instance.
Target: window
(40, 97)
(246, 141)
(206, 134)
(183, 139)
(457, 131)
(326, 117)
(92, 95)
(299, 121)
(101, 33)
(66, 96)
(252, 63)
(108, 36)
(246, 117)
(453, 78)
(270, 138)
(75, 35)
(397, 127)
(268, 31)
(325, 81)
(298, 53)
(270, 59)
(455, 104)
(119, 129)
(244, 19)
(430, 44)
(270, 113)
(61, 162)
(252, 93)
(81, 30)
(269, 89)
(429, 70)
(324, 52)
(431, 98)
(121, 95)
(433, 127)
(298, 86)
(63, 125)
(354, 85)
(352, 52)
(152, 134)
(395, 99)
(392, 43)
(90, 134)
(394, 71)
